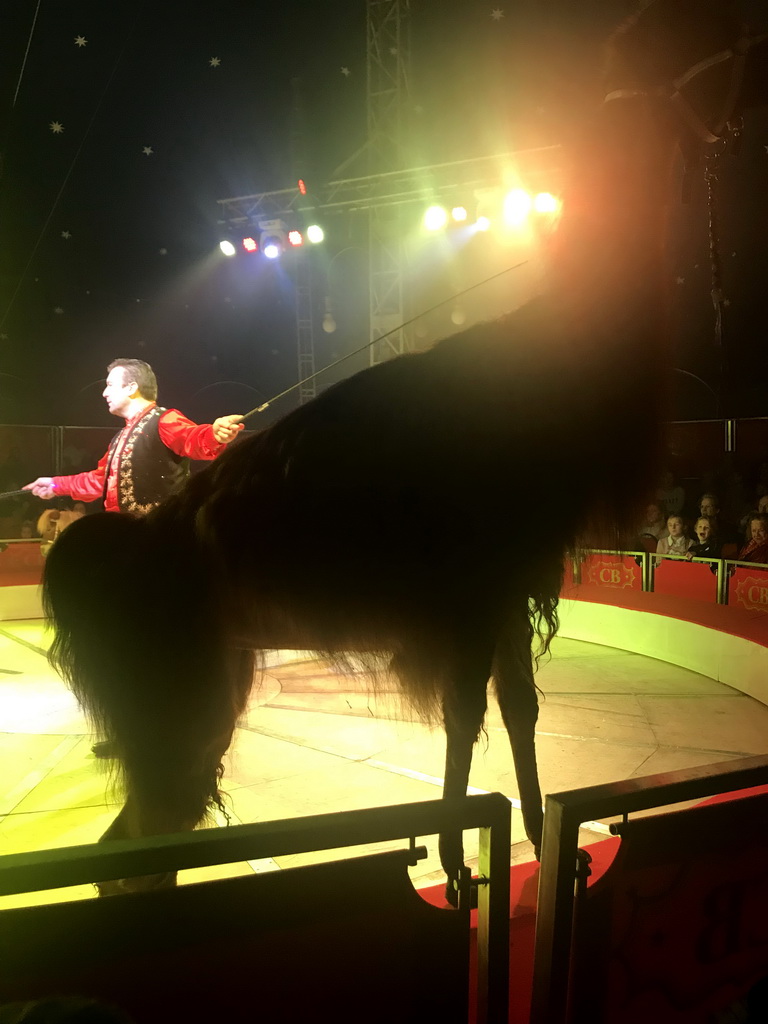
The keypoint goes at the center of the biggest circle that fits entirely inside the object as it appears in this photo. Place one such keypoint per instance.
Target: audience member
(654, 524)
(727, 533)
(670, 496)
(708, 544)
(756, 547)
(675, 542)
(51, 523)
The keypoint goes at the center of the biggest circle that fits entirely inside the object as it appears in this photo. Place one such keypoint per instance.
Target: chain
(711, 170)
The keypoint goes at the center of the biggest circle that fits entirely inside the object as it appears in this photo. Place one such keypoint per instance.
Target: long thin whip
(373, 341)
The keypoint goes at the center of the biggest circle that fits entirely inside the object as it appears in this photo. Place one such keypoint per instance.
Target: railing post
(723, 576)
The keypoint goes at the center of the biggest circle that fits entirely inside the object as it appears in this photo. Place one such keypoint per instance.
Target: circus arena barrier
(675, 929)
(702, 866)
(346, 940)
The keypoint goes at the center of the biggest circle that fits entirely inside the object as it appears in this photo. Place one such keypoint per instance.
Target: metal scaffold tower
(388, 78)
(388, 193)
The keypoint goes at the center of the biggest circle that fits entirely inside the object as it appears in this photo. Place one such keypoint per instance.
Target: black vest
(147, 472)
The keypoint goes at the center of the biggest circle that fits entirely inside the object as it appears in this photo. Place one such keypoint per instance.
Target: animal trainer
(147, 460)
(408, 475)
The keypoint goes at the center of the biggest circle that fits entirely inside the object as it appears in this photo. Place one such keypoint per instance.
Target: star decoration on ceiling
(56, 127)
(680, 280)
(58, 310)
(147, 151)
(214, 62)
(81, 41)
(393, 51)
(3, 337)
(346, 72)
(66, 234)
(163, 252)
(497, 14)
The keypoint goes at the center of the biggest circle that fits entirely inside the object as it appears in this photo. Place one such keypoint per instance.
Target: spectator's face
(703, 531)
(762, 505)
(26, 531)
(675, 526)
(709, 508)
(758, 530)
(652, 514)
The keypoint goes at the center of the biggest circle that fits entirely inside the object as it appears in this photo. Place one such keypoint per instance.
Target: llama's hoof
(452, 892)
(105, 749)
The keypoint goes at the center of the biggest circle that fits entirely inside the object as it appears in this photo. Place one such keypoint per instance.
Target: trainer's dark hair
(139, 371)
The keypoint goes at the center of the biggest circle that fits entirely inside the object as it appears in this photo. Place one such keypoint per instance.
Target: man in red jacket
(148, 459)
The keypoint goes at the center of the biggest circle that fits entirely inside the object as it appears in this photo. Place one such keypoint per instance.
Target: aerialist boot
(105, 749)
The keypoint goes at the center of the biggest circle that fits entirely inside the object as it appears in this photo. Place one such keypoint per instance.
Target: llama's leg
(464, 707)
(519, 706)
(172, 772)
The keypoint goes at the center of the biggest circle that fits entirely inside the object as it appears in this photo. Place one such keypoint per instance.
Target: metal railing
(562, 868)
(489, 813)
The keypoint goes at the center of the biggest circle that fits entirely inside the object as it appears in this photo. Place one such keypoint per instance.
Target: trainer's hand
(226, 428)
(42, 487)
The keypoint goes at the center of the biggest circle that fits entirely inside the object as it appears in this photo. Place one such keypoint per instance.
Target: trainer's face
(117, 392)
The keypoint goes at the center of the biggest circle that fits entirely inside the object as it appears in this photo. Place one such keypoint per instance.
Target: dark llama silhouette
(421, 555)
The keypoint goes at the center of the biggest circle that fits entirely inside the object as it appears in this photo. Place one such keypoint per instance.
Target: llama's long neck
(608, 254)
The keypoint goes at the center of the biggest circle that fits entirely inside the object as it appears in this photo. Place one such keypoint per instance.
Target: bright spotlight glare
(545, 202)
(435, 218)
(517, 206)
(250, 244)
(295, 237)
(271, 250)
(482, 223)
(459, 213)
(227, 248)
(315, 233)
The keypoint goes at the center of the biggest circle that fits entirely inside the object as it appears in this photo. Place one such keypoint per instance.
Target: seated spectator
(727, 533)
(756, 548)
(708, 543)
(27, 530)
(654, 524)
(670, 496)
(51, 523)
(675, 542)
(762, 505)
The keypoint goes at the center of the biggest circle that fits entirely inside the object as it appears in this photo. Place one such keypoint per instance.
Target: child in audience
(675, 542)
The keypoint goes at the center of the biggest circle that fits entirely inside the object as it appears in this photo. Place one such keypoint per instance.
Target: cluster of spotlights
(513, 211)
(273, 240)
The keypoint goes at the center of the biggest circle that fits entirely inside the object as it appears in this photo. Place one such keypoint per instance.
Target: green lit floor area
(313, 741)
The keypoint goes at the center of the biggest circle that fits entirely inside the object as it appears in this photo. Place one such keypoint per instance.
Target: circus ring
(640, 681)
(708, 617)
(656, 668)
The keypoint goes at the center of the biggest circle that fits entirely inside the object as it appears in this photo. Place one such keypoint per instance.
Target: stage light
(315, 233)
(545, 202)
(517, 206)
(250, 244)
(227, 248)
(271, 248)
(482, 223)
(435, 218)
(295, 237)
(459, 213)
